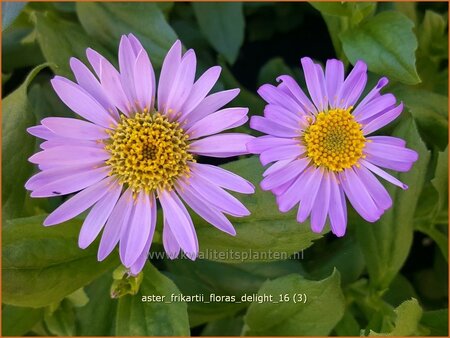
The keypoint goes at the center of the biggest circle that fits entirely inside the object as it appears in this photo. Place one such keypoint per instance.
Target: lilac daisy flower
(130, 152)
(321, 150)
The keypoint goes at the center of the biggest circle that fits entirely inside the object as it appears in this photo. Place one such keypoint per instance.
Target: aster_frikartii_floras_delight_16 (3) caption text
(134, 147)
(321, 148)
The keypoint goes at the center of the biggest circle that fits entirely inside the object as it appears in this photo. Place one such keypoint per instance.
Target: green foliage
(386, 243)
(106, 22)
(223, 26)
(407, 319)
(136, 317)
(322, 310)
(43, 265)
(377, 41)
(17, 116)
(16, 321)
(266, 229)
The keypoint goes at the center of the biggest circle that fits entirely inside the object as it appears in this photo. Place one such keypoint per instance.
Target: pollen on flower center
(334, 140)
(148, 152)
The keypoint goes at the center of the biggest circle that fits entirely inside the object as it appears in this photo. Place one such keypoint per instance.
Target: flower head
(129, 152)
(321, 149)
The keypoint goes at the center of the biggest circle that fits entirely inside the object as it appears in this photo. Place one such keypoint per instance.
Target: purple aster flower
(130, 152)
(321, 150)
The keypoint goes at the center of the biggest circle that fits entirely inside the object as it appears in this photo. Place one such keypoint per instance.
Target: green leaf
(100, 306)
(429, 111)
(41, 265)
(400, 290)
(61, 39)
(348, 325)
(345, 255)
(356, 11)
(323, 309)
(223, 25)
(17, 116)
(272, 69)
(16, 321)
(61, 322)
(265, 235)
(232, 280)
(386, 243)
(224, 327)
(408, 316)
(10, 11)
(106, 22)
(436, 321)
(137, 317)
(387, 44)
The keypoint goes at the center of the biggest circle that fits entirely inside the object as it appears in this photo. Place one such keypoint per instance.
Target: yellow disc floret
(148, 152)
(334, 140)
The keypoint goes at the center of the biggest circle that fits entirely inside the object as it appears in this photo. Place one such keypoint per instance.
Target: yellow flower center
(334, 140)
(148, 152)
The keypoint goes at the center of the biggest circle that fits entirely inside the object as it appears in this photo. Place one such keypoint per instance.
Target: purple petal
(127, 60)
(179, 221)
(79, 203)
(78, 100)
(334, 75)
(394, 141)
(382, 120)
(383, 174)
(288, 199)
(276, 167)
(74, 128)
(390, 156)
(320, 208)
(285, 174)
(375, 188)
(276, 96)
(170, 243)
(132, 243)
(89, 82)
(281, 153)
(374, 107)
(70, 155)
(282, 115)
(293, 87)
(110, 80)
(116, 224)
(315, 82)
(271, 127)
(209, 105)
(140, 262)
(222, 145)
(353, 86)
(374, 93)
(144, 81)
(168, 73)
(200, 89)
(68, 142)
(98, 216)
(223, 178)
(205, 210)
(70, 184)
(135, 44)
(263, 143)
(309, 194)
(217, 122)
(41, 132)
(218, 197)
(337, 207)
(358, 196)
(44, 177)
(182, 83)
